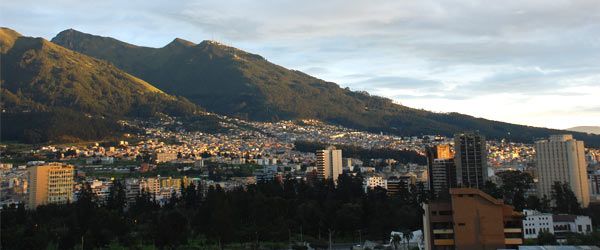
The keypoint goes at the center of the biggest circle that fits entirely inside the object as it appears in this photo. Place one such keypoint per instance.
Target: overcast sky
(526, 62)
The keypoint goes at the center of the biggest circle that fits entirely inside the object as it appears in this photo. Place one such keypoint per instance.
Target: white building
(373, 182)
(329, 163)
(562, 159)
(566, 223)
(536, 222)
(559, 225)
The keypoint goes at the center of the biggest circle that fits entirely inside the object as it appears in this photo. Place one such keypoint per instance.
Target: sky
(527, 62)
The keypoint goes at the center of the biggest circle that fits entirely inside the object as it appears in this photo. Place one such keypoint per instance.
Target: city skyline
(508, 63)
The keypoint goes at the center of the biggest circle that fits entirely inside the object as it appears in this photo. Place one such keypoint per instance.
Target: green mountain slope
(40, 78)
(229, 81)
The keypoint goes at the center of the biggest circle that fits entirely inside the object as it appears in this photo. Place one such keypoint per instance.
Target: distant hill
(47, 90)
(586, 129)
(230, 81)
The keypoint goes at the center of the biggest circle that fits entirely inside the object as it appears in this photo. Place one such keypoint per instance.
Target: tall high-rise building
(562, 159)
(329, 163)
(442, 176)
(50, 183)
(470, 157)
(441, 169)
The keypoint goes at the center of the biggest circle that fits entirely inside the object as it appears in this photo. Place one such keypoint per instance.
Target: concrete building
(394, 184)
(165, 157)
(594, 182)
(565, 224)
(132, 189)
(266, 174)
(471, 219)
(536, 222)
(471, 160)
(560, 225)
(562, 159)
(372, 182)
(50, 183)
(150, 185)
(329, 163)
(441, 169)
(442, 176)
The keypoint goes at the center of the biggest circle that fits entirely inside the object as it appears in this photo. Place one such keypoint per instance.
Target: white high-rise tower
(329, 163)
(562, 159)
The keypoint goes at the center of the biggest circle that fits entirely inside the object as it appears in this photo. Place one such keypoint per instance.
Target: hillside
(42, 81)
(230, 81)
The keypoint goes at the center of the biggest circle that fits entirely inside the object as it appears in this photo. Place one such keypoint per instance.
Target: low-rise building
(471, 219)
(565, 224)
(372, 182)
(50, 183)
(536, 222)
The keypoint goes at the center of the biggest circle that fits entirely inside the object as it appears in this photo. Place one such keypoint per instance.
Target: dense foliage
(402, 156)
(57, 125)
(227, 80)
(266, 212)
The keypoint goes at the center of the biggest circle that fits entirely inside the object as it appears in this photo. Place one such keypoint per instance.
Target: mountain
(230, 81)
(42, 81)
(586, 129)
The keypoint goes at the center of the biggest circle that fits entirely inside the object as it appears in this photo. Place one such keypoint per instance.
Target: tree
(492, 189)
(407, 235)
(514, 186)
(396, 240)
(172, 229)
(117, 198)
(533, 203)
(564, 198)
(546, 238)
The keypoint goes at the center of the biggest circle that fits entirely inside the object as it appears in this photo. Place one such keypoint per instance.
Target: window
(579, 228)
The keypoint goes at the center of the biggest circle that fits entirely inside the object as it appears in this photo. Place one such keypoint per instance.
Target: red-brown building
(471, 219)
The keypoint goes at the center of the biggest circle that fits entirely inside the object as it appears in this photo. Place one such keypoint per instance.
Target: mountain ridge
(586, 129)
(229, 81)
(42, 80)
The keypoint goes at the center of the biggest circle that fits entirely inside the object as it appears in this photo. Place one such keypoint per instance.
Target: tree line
(270, 212)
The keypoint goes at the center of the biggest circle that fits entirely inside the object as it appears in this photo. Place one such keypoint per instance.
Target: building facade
(562, 159)
(594, 182)
(470, 158)
(441, 169)
(442, 176)
(371, 182)
(560, 225)
(565, 224)
(471, 219)
(536, 222)
(50, 183)
(329, 163)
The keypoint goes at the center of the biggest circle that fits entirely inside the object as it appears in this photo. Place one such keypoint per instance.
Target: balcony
(513, 241)
(513, 230)
(443, 242)
(443, 231)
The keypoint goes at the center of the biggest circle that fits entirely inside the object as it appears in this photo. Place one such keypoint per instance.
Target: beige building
(562, 159)
(329, 163)
(50, 183)
(165, 157)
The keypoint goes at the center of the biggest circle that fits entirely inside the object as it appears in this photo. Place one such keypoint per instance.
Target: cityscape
(458, 125)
